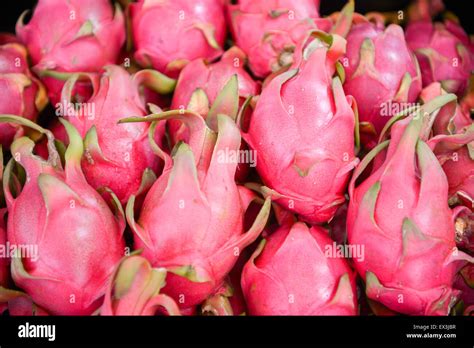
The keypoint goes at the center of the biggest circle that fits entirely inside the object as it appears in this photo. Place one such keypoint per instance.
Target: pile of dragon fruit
(217, 157)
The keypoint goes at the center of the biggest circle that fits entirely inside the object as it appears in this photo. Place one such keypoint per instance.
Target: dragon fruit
(306, 149)
(456, 156)
(204, 82)
(73, 238)
(115, 155)
(187, 30)
(4, 274)
(192, 219)
(19, 304)
(424, 9)
(210, 79)
(65, 37)
(444, 51)
(229, 298)
(269, 31)
(400, 214)
(135, 290)
(4, 263)
(20, 93)
(282, 275)
(453, 145)
(382, 74)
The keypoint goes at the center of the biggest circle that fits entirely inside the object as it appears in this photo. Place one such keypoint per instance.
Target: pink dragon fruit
(197, 29)
(305, 149)
(269, 31)
(65, 37)
(282, 275)
(135, 290)
(382, 74)
(4, 273)
(229, 298)
(444, 52)
(211, 79)
(204, 82)
(4, 263)
(74, 239)
(424, 9)
(192, 219)
(400, 214)
(453, 145)
(456, 156)
(115, 155)
(20, 93)
(452, 118)
(19, 304)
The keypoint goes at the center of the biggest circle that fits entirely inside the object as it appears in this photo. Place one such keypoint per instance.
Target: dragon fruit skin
(452, 143)
(211, 79)
(20, 93)
(459, 168)
(291, 275)
(400, 213)
(269, 31)
(78, 238)
(4, 272)
(381, 72)
(191, 221)
(134, 290)
(452, 118)
(425, 9)
(71, 36)
(116, 154)
(197, 27)
(444, 52)
(4, 261)
(309, 175)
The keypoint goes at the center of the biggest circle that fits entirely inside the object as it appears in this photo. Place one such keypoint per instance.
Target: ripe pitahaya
(292, 274)
(186, 30)
(305, 149)
(191, 221)
(19, 304)
(4, 262)
(269, 31)
(210, 79)
(74, 239)
(4, 273)
(424, 9)
(134, 289)
(20, 93)
(453, 145)
(116, 155)
(400, 214)
(382, 74)
(456, 155)
(229, 299)
(444, 52)
(199, 85)
(64, 37)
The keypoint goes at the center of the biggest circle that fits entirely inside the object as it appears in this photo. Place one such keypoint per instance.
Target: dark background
(11, 9)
